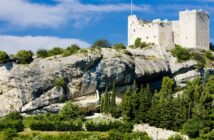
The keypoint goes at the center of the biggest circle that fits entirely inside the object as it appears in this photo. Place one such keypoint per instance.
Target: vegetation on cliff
(203, 58)
(3, 57)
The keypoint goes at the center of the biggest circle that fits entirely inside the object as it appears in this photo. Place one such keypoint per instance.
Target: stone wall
(176, 31)
(157, 32)
(165, 35)
(147, 32)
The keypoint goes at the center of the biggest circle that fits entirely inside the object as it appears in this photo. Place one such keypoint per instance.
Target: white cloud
(25, 13)
(12, 44)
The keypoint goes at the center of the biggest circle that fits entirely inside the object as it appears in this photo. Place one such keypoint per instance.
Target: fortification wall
(165, 35)
(147, 32)
(176, 32)
(155, 32)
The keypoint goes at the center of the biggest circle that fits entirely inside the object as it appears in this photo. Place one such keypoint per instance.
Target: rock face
(157, 133)
(30, 88)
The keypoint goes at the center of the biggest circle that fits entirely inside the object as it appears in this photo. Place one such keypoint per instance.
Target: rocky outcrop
(157, 133)
(31, 88)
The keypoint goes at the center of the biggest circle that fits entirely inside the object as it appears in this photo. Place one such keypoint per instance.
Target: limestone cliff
(27, 88)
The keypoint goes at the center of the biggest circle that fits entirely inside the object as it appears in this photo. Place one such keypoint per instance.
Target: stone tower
(194, 29)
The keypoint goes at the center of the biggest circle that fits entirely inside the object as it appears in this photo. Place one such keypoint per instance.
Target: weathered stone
(31, 88)
(157, 133)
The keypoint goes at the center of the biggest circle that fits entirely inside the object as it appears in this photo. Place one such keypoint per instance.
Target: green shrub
(208, 136)
(9, 133)
(14, 116)
(191, 128)
(117, 113)
(136, 136)
(144, 45)
(101, 43)
(59, 82)
(66, 53)
(14, 124)
(3, 57)
(25, 57)
(70, 111)
(126, 127)
(200, 58)
(42, 125)
(115, 135)
(93, 125)
(71, 50)
(176, 137)
(137, 43)
(127, 52)
(98, 126)
(209, 55)
(63, 136)
(83, 51)
(182, 54)
(69, 126)
(131, 46)
(42, 53)
(55, 51)
(13, 121)
(119, 46)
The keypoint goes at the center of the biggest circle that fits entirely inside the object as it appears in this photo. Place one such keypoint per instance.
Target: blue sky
(33, 24)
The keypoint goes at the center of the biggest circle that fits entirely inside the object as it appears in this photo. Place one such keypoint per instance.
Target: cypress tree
(145, 97)
(113, 100)
(140, 108)
(167, 89)
(126, 105)
(102, 105)
(155, 110)
(134, 101)
(106, 101)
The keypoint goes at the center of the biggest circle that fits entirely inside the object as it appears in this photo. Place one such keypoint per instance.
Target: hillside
(32, 88)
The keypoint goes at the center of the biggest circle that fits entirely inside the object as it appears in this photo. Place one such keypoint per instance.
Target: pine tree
(113, 100)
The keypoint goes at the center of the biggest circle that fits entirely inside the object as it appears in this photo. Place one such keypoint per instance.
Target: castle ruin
(190, 31)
